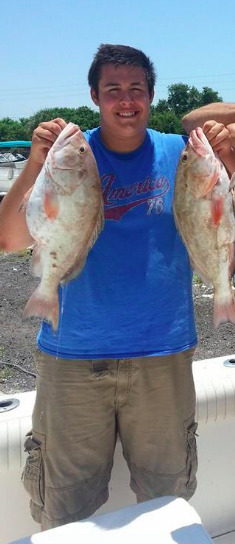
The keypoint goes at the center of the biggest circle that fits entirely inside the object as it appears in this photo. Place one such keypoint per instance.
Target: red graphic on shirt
(119, 200)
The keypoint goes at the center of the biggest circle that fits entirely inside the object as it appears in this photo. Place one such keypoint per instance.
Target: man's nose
(126, 97)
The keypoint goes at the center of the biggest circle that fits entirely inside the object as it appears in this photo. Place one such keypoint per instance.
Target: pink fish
(204, 216)
(64, 214)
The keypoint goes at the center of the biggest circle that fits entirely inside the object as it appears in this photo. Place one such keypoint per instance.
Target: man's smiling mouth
(127, 114)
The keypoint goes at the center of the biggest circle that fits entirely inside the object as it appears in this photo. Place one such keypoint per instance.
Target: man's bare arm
(14, 234)
(221, 112)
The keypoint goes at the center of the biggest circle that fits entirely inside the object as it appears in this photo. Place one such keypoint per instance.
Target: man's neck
(121, 145)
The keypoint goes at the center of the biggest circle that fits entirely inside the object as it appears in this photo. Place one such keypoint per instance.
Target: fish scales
(64, 214)
(204, 215)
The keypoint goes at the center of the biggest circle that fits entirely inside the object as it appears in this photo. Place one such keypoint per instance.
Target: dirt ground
(18, 337)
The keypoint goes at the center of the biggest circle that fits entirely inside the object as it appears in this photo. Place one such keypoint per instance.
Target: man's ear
(94, 96)
(151, 97)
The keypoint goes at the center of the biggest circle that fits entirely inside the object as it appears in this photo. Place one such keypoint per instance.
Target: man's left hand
(219, 137)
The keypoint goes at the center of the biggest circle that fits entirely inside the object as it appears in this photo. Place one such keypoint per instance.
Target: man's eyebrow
(110, 84)
(117, 84)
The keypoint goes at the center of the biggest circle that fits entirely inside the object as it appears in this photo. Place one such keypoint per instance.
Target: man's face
(123, 100)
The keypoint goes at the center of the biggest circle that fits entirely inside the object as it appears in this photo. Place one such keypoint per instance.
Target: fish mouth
(199, 142)
(201, 146)
(70, 132)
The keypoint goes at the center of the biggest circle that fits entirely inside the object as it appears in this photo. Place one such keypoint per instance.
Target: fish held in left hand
(64, 214)
(204, 215)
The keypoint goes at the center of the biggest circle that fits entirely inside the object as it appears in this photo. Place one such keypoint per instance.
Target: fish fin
(209, 186)
(98, 227)
(217, 206)
(81, 259)
(46, 308)
(233, 200)
(196, 268)
(200, 274)
(36, 266)
(51, 204)
(25, 200)
(224, 312)
(232, 182)
(76, 269)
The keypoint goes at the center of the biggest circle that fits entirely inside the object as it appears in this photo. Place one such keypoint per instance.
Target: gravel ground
(18, 337)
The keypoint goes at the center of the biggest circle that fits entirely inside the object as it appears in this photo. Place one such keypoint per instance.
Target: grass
(5, 374)
(197, 280)
(23, 253)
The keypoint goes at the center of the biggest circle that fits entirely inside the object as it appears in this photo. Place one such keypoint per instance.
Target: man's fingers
(50, 129)
(59, 121)
(44, 137)
(43, 142)
(43, 134)
(212, 128)
(218, 138)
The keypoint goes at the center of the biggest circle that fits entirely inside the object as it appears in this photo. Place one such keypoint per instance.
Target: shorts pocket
(33, 473)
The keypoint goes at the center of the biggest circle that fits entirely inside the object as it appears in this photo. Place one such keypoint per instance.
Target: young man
(121, 361)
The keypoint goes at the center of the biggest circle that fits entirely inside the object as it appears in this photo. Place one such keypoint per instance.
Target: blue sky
(47, 47)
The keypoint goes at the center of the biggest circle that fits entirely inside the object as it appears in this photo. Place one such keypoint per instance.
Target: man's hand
(43, 138)
(222, 140)
(219, 137)
(231, 129)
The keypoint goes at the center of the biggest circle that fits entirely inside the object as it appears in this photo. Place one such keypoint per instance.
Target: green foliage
(84, 117)
(208, 96)
(182, 98)
(197, 280)
(165, 116)
(12, 130)
(167, 121)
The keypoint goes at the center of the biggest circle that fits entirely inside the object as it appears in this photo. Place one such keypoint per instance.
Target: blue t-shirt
(134, 295)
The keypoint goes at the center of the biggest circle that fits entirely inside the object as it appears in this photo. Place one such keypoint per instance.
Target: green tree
(178, 98)
(84, 117)
(167, 121)
(162, 106)
(208, 96)
(12, 130)
(182, 98)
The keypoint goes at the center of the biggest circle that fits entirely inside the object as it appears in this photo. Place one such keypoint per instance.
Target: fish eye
(82, 149)
(184, 157)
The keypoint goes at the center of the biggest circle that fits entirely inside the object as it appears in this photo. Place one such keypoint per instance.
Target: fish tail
(225, 311)
(44, 307)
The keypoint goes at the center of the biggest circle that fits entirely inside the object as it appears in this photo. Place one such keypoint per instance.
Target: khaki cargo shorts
(82, 405)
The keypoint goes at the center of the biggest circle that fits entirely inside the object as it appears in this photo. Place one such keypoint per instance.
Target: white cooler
(167, 520)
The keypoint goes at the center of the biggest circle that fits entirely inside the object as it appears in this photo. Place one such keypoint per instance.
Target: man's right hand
(231, 129)
(43, 138)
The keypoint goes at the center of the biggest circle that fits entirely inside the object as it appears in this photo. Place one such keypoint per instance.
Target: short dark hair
(119, 55)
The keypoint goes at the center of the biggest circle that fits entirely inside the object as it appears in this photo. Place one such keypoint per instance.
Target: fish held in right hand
(65, 215)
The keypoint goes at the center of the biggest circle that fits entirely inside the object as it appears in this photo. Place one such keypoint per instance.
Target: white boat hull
(214, 499)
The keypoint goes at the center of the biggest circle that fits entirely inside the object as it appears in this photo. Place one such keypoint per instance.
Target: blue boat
(15, 143)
